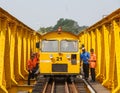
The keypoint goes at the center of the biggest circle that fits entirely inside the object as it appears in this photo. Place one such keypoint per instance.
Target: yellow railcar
(59, 54)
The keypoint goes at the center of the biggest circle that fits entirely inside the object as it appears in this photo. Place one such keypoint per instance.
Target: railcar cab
(59, 54)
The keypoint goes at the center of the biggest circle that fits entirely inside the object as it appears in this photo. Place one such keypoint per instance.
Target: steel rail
(53, 87)
(46, 84)
(73, 85)
(66, 88)
(89, 86)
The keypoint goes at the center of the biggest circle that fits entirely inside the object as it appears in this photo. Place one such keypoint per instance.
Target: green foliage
(66, 24)
(44, 30)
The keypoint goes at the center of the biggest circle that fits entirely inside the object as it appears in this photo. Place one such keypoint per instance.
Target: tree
(44, 30)
(66, 24)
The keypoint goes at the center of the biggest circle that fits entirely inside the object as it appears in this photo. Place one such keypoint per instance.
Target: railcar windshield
(69, 46)
(49, 46)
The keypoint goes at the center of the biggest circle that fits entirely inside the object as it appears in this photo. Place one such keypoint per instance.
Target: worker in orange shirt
(35, 60)
(35, 65)
(92, 64)
(30, 67)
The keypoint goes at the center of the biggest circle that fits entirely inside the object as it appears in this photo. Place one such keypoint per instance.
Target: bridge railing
(104, 37)
(17, 41)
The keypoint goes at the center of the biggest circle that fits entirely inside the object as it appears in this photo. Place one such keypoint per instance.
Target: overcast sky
(44, 13)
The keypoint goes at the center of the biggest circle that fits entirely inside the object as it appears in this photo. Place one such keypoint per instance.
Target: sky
(45, 13)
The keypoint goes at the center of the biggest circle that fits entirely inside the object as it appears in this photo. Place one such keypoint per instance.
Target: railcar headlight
(68, 56)
(51, 56)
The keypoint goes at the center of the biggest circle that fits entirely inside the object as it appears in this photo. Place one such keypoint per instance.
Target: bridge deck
(99, 88)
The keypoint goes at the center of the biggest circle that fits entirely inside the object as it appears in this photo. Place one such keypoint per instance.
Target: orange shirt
(30, 64)
(92, 60)
(35, 61)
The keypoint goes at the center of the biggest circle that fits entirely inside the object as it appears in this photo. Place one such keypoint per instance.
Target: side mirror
(38, 45)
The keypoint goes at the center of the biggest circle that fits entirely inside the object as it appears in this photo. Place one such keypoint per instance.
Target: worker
(30, 67)
(36, 65)
(84, 56)
(82, 46)
(35, 60)
(59, 29)
(92, 62)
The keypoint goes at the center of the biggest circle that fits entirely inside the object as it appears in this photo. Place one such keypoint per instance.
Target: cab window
(49, 46)
(69, 46)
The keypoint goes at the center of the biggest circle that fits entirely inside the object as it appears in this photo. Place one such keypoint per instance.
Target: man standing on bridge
(30, 65)
(92, 62)
(84, 56)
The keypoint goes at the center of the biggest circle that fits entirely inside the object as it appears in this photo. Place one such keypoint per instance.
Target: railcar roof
(63, 35)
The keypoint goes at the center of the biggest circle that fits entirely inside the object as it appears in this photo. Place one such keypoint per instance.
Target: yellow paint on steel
(3, 22)
(85, 39)
(104, 37)
(105, 52)
(15, 41)
(88, 41)
(116, 33)
(46, 62)
(93, 40)
(12, 28)
(98, 53)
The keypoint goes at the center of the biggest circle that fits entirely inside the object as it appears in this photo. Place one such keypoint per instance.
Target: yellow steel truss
(104, 37)
(16, 41)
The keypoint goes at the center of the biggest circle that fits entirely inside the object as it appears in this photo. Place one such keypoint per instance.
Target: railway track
(61, 85)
